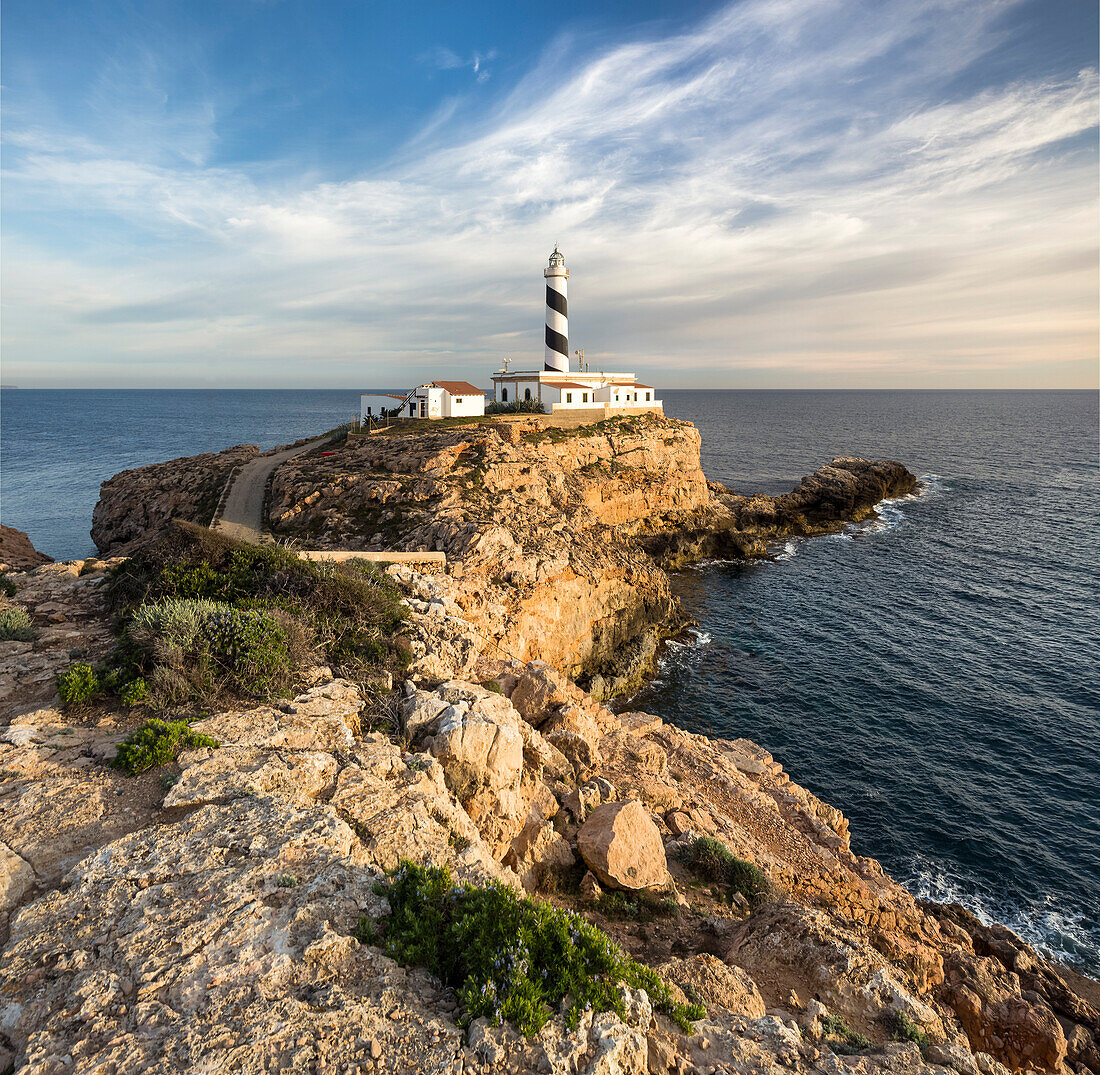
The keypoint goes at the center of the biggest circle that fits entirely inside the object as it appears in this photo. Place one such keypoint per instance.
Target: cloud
(793, 192)
(445, 59)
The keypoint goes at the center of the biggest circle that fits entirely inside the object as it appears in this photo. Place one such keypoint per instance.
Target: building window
(647, 397)
(568, 397)
(504, 395)
(412, 409)
(584, 397)
(458, 399)
(527, 393)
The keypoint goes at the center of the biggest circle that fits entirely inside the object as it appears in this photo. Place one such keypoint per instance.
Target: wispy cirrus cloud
(790, 193)
(445, 59)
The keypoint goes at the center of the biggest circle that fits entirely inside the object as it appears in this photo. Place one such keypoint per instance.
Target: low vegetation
(157, 742)
(7, 587)
(841, 1036)
(78, 683)
(15, 625)
(202, 617)
(903, 1028)
(713, 860)
(639, 906)
(517, 406)
(511, 958)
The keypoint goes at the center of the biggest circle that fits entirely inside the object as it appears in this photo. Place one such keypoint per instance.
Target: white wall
(463, 406)
(570, 398)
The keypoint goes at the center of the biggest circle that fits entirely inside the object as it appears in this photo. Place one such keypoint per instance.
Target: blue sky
(768, 193)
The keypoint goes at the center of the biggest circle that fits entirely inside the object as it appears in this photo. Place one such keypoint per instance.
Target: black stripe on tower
(555, 300)
(557, 342)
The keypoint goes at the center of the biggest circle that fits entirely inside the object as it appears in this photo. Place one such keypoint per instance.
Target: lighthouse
(557, 320)
(564, 397)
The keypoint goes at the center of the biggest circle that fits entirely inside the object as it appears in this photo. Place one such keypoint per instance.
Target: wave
(1056, 932)
(889, 512)
(676, 653)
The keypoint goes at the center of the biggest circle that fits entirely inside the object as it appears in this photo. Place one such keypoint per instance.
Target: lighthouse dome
(557, 258)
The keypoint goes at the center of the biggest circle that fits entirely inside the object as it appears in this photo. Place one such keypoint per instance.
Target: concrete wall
(569, 417)
(463, 406)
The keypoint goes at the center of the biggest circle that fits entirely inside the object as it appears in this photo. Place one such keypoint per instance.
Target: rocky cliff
(217, 915)
(556, 539)
(16, 551)
(136, 505)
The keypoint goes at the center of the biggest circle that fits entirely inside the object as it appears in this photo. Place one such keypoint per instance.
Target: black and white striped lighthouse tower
(557, 320)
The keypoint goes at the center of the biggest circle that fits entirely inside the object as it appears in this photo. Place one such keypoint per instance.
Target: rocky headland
(228, 911)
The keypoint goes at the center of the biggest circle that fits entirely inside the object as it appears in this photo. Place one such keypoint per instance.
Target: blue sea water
(933, 673)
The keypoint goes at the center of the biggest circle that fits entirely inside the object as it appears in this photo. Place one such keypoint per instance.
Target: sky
(364, 193)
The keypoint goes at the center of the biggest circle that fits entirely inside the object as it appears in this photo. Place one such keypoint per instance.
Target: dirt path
(243, 517)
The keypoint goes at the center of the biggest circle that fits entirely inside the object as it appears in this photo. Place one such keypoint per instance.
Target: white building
(608, 393)
(436, 399)
(586, 395)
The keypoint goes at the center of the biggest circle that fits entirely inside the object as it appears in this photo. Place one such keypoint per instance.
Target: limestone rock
(16, 877)
(137, 505)
(16, 551)
(620, 844)
(715, 984)
(225, 947)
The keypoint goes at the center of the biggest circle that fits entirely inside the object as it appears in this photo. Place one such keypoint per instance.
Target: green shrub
(512, 958)
(904, 1029)
(714, 860)
(157, 742)
(7, 587)
(134, 692)
(640, 906)
(210, 645)
(351, 613)
(78, 683)
(15, 625)
(518, 406)
(842, 1036)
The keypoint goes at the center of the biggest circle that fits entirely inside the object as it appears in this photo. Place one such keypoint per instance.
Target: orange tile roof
(458, 388)
(566, 384)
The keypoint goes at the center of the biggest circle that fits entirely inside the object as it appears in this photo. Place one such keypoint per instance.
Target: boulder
(620, 844)
(16, 877)
(715, 984)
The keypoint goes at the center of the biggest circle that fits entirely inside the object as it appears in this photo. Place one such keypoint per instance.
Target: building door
(423, 408)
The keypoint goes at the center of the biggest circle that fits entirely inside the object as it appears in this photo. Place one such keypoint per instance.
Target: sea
(933, 672)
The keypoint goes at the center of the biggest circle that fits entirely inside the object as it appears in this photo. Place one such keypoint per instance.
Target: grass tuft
(715, 861)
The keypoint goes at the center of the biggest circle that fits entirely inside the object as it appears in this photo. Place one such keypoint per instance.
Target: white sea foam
(1053, 931)
(889, 512)
(678, 653)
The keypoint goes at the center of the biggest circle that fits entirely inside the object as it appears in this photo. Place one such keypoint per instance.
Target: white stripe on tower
(557, 319)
